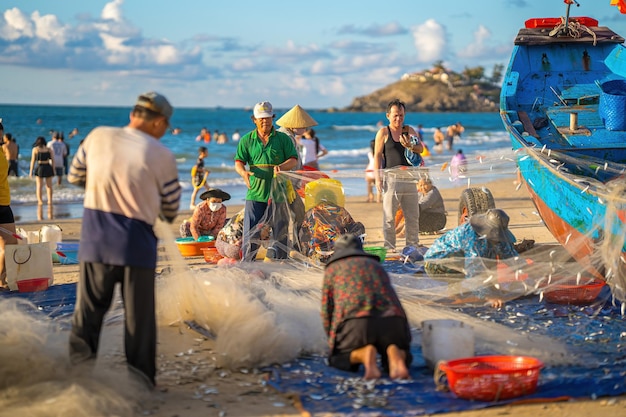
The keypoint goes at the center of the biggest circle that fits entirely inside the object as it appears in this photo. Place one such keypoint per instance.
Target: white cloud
(165, 55)
(334, 87)
(382, 76)
(292, 52)
(430, 41)
(350, 64)
(243, 64)
(318, 67)
(17, 24)
(478, 47)
(375, 30)
(49, 28)
(113, 43)
(299, 83)
(107, 44)
(113, 11)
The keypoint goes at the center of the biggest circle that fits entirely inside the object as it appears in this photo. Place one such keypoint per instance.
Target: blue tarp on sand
(56, 302)
(597, 334)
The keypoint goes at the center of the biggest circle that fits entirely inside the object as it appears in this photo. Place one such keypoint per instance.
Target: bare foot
(371, 369)
(367, 356)
(397, 364)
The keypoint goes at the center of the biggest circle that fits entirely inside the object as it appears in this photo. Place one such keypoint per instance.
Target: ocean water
(347, 136)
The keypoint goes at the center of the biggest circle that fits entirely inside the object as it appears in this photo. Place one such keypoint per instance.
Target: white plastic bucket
(446, 339)
(23, 234)
(51, 233)
(32, 236)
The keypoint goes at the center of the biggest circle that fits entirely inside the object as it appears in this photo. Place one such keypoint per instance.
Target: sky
(234, 53)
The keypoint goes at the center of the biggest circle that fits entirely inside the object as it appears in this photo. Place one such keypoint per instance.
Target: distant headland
(437, 90)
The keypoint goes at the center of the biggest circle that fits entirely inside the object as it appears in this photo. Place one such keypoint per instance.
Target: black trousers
(94, 296)
(381, 332)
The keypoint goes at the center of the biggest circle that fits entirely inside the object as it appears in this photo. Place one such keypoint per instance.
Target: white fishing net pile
(36, 378)
(263, 313)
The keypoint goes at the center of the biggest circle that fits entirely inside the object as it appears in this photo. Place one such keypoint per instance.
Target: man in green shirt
(266, 152)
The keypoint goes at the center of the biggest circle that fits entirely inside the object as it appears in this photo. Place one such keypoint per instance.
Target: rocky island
(437, 90)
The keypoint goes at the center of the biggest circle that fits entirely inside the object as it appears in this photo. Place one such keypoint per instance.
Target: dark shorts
(381, 332)
(13, 168)
(6, 215)
(44, 171)
(59, 171)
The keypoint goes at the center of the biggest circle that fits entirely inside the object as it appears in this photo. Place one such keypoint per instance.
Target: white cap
(263, 110)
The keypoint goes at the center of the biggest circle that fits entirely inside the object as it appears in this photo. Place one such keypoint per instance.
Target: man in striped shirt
(130, 180)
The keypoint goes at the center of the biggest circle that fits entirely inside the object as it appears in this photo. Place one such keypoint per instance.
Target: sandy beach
(186, 361)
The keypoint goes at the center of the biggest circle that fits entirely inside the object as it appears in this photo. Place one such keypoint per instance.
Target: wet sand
(186, 363)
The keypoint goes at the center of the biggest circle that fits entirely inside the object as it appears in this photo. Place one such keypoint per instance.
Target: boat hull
(571, 164)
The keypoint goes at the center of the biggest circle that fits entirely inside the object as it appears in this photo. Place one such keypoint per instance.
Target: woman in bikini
(43, 172)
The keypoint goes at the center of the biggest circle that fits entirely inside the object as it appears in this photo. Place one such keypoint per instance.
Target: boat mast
(567, 28)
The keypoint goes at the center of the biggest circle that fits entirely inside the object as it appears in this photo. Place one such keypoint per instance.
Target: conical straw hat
(296, 118)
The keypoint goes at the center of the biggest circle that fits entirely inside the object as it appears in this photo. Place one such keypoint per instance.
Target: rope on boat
(572, 29)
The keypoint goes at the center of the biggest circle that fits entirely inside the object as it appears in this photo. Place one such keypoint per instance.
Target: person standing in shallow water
(59, 149)
(11, 153)
(362, 315)
(43, 171)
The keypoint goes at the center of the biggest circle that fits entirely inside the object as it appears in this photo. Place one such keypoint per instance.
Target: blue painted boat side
(550, 106)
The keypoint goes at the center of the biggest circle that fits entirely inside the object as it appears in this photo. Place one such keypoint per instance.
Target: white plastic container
(446, 339)
(51, 233)
(32, 236)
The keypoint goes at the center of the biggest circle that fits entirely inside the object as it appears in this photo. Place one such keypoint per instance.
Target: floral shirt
(356, 286)
(322, 225)
(463, 241)
(205, 222)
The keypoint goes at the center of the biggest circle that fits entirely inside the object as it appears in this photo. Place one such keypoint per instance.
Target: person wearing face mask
(209, 216)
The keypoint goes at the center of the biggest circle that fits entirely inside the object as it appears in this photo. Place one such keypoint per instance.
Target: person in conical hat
(294, 123)
(296, 118)
(486, 236)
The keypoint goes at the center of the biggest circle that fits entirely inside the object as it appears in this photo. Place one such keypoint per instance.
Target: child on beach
(370, 178)
(199, 175)
(458, 165)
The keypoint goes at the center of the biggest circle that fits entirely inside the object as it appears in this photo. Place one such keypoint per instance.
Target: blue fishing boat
(563, 103)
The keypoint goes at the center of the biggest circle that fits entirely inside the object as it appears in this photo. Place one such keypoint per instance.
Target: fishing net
(36, 378)
(268, 311)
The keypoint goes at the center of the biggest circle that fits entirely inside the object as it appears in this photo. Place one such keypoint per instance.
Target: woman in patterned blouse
(208, 217)
(362, 314)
